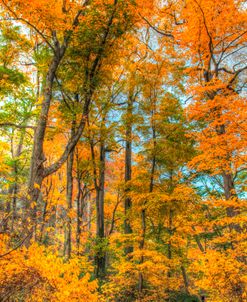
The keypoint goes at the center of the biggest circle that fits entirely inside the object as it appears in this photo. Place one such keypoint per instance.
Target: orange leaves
(37, 273)
(154, 268)
(219, 152)
(208, 24)
(44, 16)
(223, 277)
(173, 225)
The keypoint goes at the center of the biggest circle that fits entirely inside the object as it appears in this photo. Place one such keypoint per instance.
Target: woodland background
(123, 150)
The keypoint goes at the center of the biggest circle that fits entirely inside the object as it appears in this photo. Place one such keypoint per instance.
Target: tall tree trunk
(37, 161)
(99, 185)
(128, 168)
(78, 214)
(100, 258)
(69, 196)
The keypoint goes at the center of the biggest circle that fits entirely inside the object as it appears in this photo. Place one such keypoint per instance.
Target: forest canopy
(123, 151)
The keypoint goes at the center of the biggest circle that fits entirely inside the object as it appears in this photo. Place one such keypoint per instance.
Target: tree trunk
(100, 192)
(37, 161)
(69, 197)
(13, 189)
(128, 168)
(78, 215)
(186, 280)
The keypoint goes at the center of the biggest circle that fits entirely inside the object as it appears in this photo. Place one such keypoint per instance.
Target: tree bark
(100, 192)
(128, 168)
(69, 197)
(37, 161)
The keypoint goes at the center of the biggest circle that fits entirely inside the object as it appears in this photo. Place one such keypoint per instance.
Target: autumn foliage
(123, 151)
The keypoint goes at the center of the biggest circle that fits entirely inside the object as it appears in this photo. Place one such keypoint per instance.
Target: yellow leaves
(222, 275)
(48, 275)
(154, 268)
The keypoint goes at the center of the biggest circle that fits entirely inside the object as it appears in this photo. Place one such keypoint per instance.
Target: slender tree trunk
(99, 185)
(79, 215)
(80, 206)
(13, 189)
(89, 212)
(100, 258)
(128, 168)
(69, 197)
(169, 252)
(186, 279)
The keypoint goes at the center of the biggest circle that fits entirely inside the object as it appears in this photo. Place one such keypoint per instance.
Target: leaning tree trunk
(37, 161)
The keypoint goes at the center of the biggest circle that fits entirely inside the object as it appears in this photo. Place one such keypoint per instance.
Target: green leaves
(10, 79)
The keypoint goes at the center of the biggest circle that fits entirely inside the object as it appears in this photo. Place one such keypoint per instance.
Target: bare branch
(157, 29)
